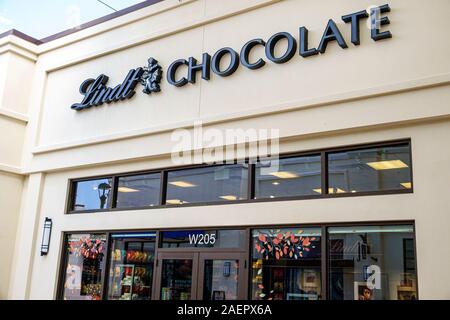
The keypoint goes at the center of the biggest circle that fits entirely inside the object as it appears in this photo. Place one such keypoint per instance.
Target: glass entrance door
(201, 276)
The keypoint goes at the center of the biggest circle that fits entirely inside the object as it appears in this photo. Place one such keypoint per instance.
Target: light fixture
(175, 201)
(276, 183)
(271, 197)
(387, 165)
(46, 233)
(182, 184)
(229, 197)
(126, 189)
(330, 190)
(284, 174)
(407, 185)
(336, 190)
(319, 190)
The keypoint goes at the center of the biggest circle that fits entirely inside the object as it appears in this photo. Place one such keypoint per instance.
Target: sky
(42, 18)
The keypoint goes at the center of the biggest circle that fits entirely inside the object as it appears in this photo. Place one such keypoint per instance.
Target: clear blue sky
(42, 18)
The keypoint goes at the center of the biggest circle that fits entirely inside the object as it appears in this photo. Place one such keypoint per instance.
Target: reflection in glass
(203, 239)
(208, 184)
(131, 266)
(138, 191)
(286, 264)
(221, 280)
(176, 279)
(288, 177)
(93, 194)
(85, 265)
(376, 169)
(372, 263)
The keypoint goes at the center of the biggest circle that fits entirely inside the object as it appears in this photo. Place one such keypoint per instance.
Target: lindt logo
(96, 92)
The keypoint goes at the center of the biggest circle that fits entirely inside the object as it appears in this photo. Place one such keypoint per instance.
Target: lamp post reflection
(103, 193)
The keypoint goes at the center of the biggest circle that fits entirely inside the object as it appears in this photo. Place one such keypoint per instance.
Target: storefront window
(85, 256)
(92, 194)
(286, 264)
(208, 184)
(376, 169)
(138, 191)
(203, 239)
(131, 267)
(372, 263)
(288, 177)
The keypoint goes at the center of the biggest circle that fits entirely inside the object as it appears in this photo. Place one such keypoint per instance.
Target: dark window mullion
(107, 270)
(251, 181)
(114, 190)
(324, 172)
(163, 188)
(324, 263)
(73, 194)
(62, 268)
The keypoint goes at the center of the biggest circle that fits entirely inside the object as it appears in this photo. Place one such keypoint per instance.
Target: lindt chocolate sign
(96, 92)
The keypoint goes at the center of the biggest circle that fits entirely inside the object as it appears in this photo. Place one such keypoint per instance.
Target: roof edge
(83, 26)
(21, 35)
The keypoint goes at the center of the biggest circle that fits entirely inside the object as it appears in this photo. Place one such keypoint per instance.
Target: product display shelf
(123, 285)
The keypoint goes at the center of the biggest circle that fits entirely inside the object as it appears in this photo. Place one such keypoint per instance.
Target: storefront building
(349, 203)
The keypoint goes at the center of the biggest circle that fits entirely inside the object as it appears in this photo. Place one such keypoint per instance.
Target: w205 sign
(208, 239)
(190, 238)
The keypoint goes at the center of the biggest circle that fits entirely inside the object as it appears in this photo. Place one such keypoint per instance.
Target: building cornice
(21, 35)
(119, 13)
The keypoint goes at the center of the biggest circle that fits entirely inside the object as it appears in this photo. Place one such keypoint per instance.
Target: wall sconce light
(45, 244)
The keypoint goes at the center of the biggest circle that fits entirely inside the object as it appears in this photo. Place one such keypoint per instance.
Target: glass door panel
(176, 279)
(221, 280)
(221, 277)
(177, 276)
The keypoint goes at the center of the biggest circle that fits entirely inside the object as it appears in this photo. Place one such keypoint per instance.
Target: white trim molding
(14, 115)
(10, 169)
(411, 85)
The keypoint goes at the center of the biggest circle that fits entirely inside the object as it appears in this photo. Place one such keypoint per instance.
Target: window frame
(406, 143)
(131, 174)
(251, 170)
(61, 275)
(325, 239)
(72, 193)
(294, 197)
(194, 204)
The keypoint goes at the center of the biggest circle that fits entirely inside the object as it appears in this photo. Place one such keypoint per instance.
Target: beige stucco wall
(391, 89)
(16, 68)
(16, 88)
(10, 196)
